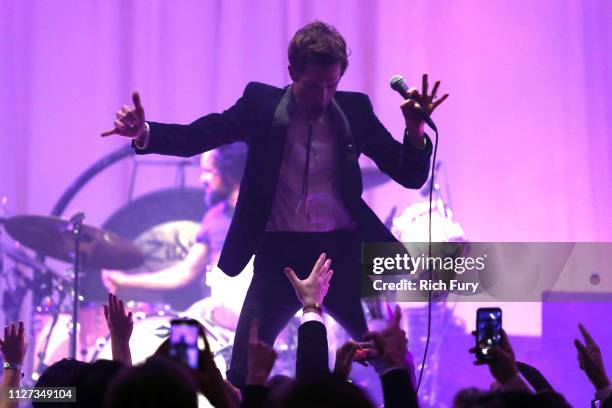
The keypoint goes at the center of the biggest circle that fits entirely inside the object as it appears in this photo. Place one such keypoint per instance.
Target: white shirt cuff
(145, 142)
(310, 316)
(603, 393)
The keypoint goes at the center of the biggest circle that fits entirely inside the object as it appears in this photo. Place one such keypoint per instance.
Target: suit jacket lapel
(270, 151)
(342, 126)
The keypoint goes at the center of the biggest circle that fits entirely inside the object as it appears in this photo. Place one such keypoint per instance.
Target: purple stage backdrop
(525, 136)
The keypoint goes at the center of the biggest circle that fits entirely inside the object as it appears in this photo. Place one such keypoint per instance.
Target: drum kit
(54, 334)
(67, 240)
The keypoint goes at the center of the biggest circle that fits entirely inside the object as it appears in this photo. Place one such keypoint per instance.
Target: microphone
(399, 85)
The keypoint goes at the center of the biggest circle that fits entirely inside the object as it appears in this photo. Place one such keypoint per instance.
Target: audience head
(328, 392)
(159, 382)
(279, 387)
(62, 373)
(467, 396)
(92, 382)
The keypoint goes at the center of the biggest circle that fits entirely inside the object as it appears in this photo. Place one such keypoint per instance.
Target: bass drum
(56, 338)
(412, 225)
(164, 225)
(149, 333)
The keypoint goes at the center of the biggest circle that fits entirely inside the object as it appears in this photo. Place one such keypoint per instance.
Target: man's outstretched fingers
(137, 104)
(109, 132)
(320, 261)
(325, 267)
(439, 101)
(292, 277)
(397, 316)
(434, 91)
(581, 349)
(328, 275)
(587, 336)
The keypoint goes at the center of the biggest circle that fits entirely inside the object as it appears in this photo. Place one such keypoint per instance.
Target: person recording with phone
(301, 190)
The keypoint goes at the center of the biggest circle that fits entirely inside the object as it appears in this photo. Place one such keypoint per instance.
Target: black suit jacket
(311, 360)
(259, 118)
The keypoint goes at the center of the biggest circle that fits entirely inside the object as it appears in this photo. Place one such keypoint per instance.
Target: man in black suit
(301, 190)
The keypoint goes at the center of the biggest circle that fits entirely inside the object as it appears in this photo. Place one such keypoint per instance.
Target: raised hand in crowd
(394, 363)
(210, 381)
(261, 358)
(120, 325)
(350, 352)
(503, 366)
(591, 362)
(13, 347)
(130, 121)
(312, 290)
(392, 343)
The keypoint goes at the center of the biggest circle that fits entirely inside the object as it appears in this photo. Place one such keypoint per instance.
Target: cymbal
(53, 237)
(373, 177)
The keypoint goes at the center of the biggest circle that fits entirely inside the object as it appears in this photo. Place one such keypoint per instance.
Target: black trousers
(272, 299)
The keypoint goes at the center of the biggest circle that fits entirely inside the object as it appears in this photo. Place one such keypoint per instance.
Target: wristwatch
(12, 366)
(316, 306)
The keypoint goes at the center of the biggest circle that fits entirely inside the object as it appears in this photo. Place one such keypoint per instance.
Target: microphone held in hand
(398, 84)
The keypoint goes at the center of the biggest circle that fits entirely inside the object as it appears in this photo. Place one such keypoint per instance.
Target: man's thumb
(292, 276)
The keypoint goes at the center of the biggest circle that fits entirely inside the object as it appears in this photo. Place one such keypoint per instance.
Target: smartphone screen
(488, 331)
(185, 342)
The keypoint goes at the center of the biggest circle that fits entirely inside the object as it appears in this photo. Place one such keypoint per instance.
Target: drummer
(221, 174)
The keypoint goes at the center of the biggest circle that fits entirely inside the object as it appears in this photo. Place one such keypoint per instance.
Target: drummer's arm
(173, 277)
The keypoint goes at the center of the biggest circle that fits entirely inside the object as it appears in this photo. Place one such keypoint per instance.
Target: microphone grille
(396, 82)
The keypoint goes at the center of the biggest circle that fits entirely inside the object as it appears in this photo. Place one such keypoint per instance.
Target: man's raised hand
(314, 288)
(130, 121)
(120, 325)
(392, 342)
(14, 344)
(590, 360)
(503, 364)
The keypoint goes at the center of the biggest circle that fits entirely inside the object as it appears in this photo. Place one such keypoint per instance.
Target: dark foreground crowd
(161, 381)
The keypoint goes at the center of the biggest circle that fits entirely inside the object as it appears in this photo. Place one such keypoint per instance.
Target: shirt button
(350, 146)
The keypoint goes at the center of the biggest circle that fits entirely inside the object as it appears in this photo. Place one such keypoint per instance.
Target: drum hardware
(77, 243)
(43, 353)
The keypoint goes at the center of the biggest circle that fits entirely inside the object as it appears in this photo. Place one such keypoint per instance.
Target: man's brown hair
(318, 43)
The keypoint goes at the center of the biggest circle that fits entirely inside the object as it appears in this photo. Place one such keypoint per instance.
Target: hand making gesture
(130, 121)
(120, 325)
(411, 108)
(312, 290)
(589, 358)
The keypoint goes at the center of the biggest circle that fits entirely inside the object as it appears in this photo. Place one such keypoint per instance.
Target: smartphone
(488, 331)
(186, 342)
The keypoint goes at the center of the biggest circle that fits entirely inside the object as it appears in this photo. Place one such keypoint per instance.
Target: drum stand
(76, 223)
